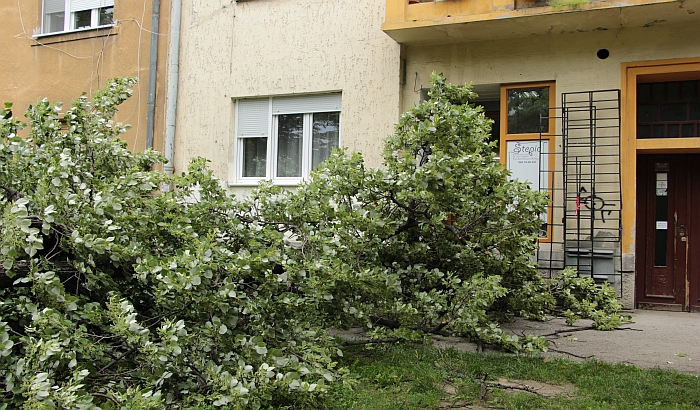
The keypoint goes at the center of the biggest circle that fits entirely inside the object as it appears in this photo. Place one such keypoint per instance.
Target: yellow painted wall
(402, 15)
(62, 66)
(279, 47)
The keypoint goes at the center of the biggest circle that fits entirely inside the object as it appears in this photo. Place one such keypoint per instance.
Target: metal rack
(584, 184)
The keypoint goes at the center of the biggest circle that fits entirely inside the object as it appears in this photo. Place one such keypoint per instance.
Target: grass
(422, 377)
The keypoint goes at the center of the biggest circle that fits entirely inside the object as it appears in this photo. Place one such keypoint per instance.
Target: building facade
(595, 102)
(268, 88)
(59, 49)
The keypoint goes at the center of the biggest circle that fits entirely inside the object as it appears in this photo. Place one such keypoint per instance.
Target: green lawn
(422, 377)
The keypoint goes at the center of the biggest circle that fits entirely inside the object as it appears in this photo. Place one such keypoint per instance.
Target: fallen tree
(119, 294)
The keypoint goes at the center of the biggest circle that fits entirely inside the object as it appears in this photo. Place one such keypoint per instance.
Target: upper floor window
(284, 138)
(67, 15)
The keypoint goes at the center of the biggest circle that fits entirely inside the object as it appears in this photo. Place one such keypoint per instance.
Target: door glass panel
(673, 92)
(643, 131)
(695, 111)
(644, 93)
(688, 90)
(673, 130)
(658, 131)
(661, 228)
(673, 112)
(647, 113)
(657, 92)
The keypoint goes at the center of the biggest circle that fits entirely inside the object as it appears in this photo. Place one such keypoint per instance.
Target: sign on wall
(527, 165)
(525, 162)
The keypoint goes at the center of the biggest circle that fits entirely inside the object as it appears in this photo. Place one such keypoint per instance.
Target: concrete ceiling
(547, 20)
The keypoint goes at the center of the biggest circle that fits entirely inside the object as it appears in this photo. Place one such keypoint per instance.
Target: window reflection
(325, 136)
(82, 19)
(290, 129)
(525, 106)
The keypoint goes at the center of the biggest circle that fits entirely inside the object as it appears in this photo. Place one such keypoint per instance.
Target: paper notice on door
(661, 184)
(661, 225)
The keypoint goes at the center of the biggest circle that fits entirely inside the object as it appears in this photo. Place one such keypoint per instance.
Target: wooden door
(668, 232)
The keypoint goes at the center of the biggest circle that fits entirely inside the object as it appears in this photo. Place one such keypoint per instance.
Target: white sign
(526, 164)
(661, 184)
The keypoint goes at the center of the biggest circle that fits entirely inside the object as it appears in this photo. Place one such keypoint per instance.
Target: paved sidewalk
(668, 340)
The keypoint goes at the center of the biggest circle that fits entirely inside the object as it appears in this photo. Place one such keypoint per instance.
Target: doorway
(668, 232)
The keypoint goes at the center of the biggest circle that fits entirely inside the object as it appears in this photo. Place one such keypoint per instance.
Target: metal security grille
(585, 187)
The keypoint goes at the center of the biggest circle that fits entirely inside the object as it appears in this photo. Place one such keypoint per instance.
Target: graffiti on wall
(594, 203)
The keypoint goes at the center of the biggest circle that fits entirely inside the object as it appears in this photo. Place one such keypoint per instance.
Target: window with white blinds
(284, 138)
(68, 15)
(77, 5)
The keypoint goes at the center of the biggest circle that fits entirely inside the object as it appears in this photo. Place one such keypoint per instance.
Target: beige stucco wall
(60, 67)
(277, 47)
(569, 59)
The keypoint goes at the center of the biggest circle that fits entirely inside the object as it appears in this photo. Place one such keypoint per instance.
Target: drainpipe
(155, 22)
(172, 86)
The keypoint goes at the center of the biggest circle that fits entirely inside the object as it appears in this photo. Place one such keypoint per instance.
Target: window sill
(66, 36)
(249, 184)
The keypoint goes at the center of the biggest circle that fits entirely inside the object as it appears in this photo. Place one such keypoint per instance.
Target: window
(284, 138)
(668, 109)
(525, 106)
(527, 126)
(68, 15)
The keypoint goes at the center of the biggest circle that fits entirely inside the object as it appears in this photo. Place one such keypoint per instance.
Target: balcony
(422, 22)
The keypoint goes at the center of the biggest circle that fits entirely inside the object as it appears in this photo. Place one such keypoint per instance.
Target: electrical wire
(143, 29)
(138, 86)
(97, 59)
(37, 42)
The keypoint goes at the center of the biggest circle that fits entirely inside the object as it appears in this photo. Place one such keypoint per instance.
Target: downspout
(172, 86)
(155, 22)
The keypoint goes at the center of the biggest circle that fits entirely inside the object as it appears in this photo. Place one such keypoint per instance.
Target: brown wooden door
(668, 232)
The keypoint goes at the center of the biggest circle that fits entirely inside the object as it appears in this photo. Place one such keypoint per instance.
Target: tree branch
(11, 194)
(106, 396)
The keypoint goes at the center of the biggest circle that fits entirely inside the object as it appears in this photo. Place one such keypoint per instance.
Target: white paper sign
(527, 165)
(661, 184)
(524, 164)
(661, 225)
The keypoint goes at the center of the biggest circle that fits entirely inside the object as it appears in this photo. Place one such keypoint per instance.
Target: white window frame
(273, 145)
(71, 7)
